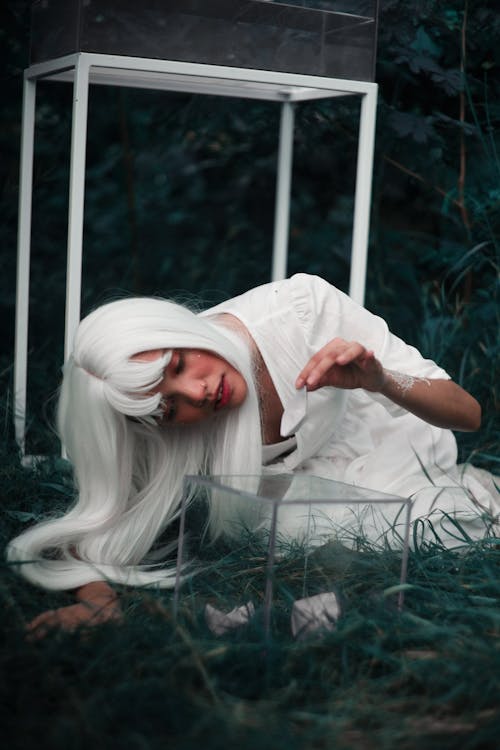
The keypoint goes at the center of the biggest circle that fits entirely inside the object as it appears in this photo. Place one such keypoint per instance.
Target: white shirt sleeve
(326, 313)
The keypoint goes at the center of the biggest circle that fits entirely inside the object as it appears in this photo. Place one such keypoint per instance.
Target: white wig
(128, 473)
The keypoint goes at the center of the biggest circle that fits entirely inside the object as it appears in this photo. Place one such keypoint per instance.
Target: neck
(270, 406)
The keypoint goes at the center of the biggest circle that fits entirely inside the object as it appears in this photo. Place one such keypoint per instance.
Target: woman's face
(196, 385)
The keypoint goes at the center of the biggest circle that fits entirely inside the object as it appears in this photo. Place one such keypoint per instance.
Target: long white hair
(129, 473)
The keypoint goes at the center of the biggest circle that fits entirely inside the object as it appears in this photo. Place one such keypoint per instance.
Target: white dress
(354, 436)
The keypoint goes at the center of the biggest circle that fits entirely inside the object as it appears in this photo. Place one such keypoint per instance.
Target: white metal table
(84, 69)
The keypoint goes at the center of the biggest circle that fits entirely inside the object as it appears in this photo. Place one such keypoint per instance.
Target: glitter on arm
(405, 382)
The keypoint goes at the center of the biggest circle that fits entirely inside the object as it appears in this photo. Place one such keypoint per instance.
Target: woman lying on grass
(153, 392)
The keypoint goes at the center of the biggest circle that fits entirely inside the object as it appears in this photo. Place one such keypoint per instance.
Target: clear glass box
(332, 38)
(292, 539)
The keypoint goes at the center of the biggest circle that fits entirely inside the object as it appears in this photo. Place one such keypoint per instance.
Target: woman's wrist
(376, 381)
(397, 385)
(98, 592)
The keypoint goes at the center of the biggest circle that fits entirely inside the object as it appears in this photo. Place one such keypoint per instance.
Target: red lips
(223, 394)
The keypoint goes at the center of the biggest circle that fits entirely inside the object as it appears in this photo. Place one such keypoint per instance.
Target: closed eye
(180, 364)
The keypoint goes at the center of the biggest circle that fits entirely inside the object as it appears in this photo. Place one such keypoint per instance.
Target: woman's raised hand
(342, 364)
(348, 364)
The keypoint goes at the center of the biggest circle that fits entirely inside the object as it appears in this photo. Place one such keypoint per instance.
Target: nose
(194, 390)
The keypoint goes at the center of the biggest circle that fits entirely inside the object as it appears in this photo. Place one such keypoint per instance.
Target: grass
(426, 676)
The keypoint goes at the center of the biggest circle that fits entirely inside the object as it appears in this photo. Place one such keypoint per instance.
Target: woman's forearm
(440, 402)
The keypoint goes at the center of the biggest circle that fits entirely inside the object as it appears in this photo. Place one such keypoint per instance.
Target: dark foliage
(179, 196)
(423, 677)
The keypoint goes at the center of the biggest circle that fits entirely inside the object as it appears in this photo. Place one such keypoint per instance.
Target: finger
(316, 368)
(318, 377)
(351, 353)
(306, 371)
(340, 356)
(40, 626)
(54, 618)
(329, 352)
(41, 619)
(37, 635)
(367, 359)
